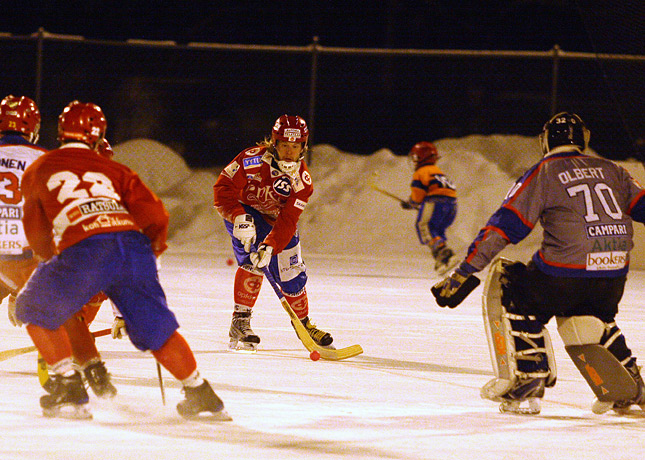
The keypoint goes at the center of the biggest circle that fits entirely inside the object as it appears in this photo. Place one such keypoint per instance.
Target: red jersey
(253, 178)
(72, 193)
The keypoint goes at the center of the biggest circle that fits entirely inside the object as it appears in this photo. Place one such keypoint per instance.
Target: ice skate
(623, 407)
(322, 338)
(200, 400)
(68, 399)
(242, 337)
(445, 260)
(98, 379)
(524, 390)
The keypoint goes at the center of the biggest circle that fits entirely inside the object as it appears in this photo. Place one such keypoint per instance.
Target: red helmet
(290, 128)
(105, 149)
(423, 153)
(82, 122)
(20, 114)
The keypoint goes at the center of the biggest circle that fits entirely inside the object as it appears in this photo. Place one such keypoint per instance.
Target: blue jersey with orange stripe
(585, 206)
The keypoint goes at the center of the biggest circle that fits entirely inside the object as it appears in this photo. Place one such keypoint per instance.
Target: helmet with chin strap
(564, 129)
(289, 128)
(20, 114)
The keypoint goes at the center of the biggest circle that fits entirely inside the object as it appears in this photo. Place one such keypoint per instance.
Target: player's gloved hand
(452, 290)
(407, 205)
(118, 328)
(244, 230)
(11, 309)
(262, 256)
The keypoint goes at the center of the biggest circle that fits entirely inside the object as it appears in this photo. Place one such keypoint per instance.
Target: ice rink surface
(413, 394)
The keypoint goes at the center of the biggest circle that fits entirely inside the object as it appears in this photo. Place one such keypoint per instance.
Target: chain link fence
(209, 101)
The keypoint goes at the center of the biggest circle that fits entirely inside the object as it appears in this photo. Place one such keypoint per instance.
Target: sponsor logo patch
(231, 169)
(614, 260)
(306, 178)
(107, 222)
(597, 231)
(10, 212)
(282, 186)
(293, 134)
(300, 204)
(252, 162)
(94, 207)
(253, 151)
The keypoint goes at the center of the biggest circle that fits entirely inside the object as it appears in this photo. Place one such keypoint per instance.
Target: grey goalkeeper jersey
(585, 206)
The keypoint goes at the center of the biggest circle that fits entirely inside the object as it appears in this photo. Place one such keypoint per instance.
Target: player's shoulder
(251, 157)
(427, 172)
(305, 175)
(80, 158)
(22, 150)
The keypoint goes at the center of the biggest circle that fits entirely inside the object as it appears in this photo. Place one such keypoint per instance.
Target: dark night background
(449, 24)
(210, 104)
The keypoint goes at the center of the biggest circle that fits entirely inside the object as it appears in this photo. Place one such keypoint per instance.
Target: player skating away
(434, 197)
(99, 228)
(261, 195)
(586, 206)
(19, 127)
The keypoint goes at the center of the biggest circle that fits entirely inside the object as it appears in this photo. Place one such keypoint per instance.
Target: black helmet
(566, 129)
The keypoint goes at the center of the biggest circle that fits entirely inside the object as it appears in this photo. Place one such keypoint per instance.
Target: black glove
(452, 290)
(406, 205)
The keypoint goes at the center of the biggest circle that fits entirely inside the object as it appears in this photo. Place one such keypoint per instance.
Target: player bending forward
(261, 195)
(586, 206)
(98, 228)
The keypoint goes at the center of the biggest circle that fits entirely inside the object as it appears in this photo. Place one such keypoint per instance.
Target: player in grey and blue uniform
(585, 205)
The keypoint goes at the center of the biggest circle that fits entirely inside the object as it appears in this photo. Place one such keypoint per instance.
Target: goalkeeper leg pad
(520, 349)
(588, 340)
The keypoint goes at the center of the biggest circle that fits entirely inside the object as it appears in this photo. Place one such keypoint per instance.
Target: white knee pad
(581, 330)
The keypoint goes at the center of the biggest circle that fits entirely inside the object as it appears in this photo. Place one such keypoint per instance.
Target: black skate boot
(68, 399)
(530, 390)
(202, 399)
(242, 336)
(445, 260)
(98, 378)
(322, 338)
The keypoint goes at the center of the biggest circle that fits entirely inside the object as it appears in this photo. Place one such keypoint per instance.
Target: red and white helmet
(20, 114)
(82, 122)
(290, 128)
(423, 153)
(105, 149)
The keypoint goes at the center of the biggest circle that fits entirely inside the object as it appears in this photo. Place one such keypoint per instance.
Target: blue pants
(435, 215)
(287, 268)
(122, 265)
